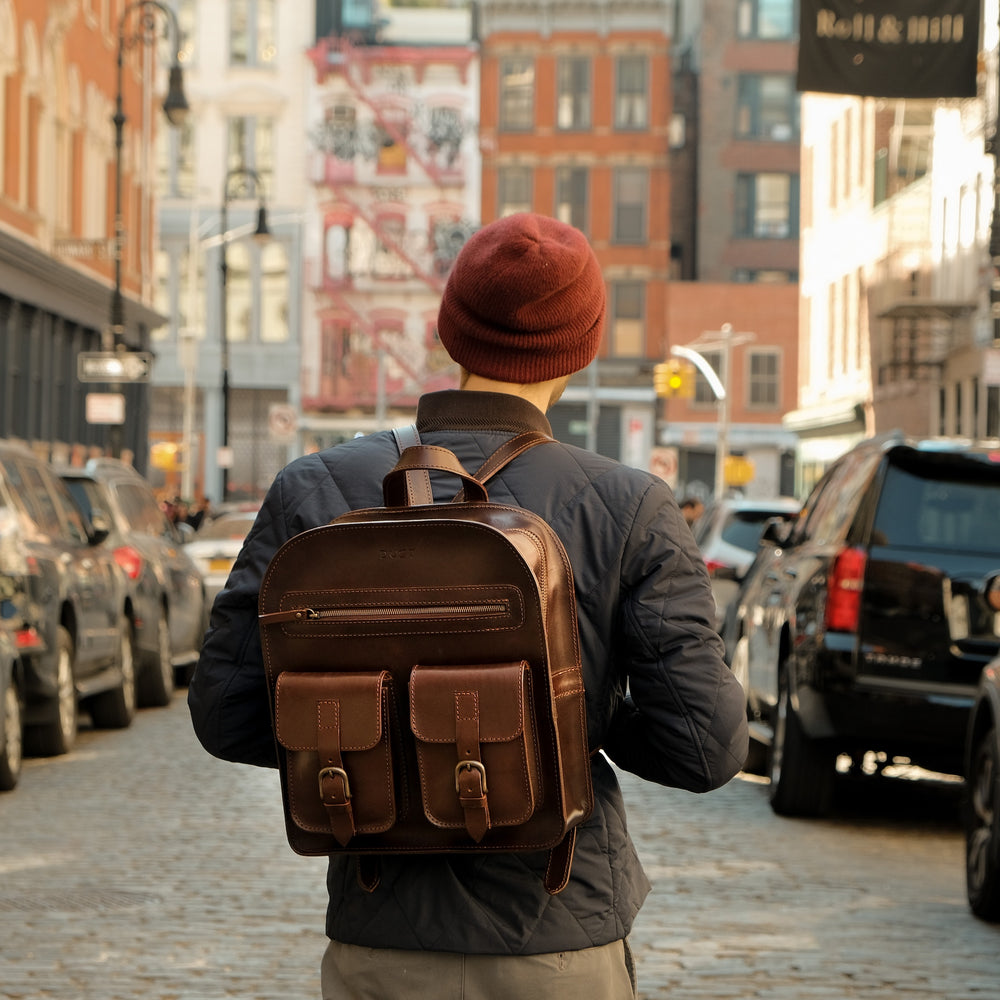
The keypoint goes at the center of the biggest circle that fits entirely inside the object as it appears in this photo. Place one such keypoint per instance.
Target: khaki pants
(353, 973)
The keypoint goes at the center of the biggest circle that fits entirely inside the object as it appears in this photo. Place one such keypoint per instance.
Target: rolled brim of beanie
(524, 302)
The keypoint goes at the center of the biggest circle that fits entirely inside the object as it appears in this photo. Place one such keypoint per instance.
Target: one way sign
(113, 366)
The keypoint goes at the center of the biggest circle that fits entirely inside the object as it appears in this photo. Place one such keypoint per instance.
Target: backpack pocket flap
(477, 752)
(338, 734)
(501, 690)
(297, 700)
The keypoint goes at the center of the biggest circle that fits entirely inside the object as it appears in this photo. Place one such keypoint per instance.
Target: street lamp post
(175, 107)
(249, 183)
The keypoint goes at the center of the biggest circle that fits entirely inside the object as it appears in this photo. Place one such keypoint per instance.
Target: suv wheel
(982, 829)
(801, 769)
(157, 681)
(10, 738)
(57, 736)
(115, 709)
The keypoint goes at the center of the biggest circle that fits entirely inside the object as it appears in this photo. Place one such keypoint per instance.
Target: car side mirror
(96, 534)
(991, 592)
(776, 531)
(98, 527)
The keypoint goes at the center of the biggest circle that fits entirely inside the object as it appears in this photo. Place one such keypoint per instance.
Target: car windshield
(227, 527)
(743, 528)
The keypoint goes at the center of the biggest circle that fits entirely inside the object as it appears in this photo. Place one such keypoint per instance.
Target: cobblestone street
(140, 867)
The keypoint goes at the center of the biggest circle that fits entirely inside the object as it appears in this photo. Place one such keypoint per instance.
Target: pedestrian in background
(523, 309)
(692, 508)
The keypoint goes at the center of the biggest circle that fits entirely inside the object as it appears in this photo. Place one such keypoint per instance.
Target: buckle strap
(334, 788)
(470, 772)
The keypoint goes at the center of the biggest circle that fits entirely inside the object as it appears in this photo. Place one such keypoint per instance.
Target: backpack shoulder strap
(418, 481)
(504, 455)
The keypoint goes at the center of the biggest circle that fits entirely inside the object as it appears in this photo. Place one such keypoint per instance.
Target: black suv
(862, 627)
(981, 812)
(166, 593)
(75, 608)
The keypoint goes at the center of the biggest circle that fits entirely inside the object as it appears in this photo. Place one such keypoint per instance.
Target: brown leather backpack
(424, 667)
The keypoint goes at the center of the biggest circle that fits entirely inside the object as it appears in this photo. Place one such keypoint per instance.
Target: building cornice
(31, 276)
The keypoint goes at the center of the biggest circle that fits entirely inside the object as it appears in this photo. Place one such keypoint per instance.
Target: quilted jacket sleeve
(228, 697)
(683, 722)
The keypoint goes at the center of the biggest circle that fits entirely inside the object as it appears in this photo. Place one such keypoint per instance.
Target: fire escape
(388, 163)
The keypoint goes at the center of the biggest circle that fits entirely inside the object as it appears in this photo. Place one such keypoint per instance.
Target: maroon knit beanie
(524, 302)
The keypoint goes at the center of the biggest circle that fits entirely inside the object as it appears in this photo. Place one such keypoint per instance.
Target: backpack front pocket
(337, 732)
(476, 746)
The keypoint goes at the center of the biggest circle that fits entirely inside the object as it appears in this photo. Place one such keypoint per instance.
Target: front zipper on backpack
(407, 611)
(384, 612)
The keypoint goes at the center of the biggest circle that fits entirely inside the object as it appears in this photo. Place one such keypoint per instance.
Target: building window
(251, 147)
(513, 190)
(571, 196)
(703, 392)
(767, 206)
(631, 92)
(251, 33)
(390, 237)
(175, 161)
(628, 307)
(763, 389)
(631, 196)
(767, 107)
(992, 411)
(764, 276)
(573, 92)
(770, 19)
(391, 157)
(240, 291)
(187, 22)
(274, 293)
(517, 95)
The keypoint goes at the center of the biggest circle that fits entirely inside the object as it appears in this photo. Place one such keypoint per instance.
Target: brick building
(574, 120)
(58, 176)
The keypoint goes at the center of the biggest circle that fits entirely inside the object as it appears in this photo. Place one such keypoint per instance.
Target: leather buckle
(470, 765)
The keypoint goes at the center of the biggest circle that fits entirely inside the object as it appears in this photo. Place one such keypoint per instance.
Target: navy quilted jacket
(660, 700)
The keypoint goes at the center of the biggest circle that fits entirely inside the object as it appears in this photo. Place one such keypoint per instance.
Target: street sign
(105, 408)
(100, 249)
(113, 366)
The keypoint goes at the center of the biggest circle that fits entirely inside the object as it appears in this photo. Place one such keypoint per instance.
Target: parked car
(80, 647)
(728, 535)
(216, 545)
(166, 596)
(981, 812)
(861, 627)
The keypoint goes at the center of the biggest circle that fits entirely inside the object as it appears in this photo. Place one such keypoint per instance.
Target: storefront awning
(826, 418)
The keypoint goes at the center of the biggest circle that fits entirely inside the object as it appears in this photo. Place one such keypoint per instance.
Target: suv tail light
(713, 565)
(28, 640)
(843, 600)
(129, 560)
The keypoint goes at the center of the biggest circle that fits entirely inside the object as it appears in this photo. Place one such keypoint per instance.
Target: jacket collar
(465, 410)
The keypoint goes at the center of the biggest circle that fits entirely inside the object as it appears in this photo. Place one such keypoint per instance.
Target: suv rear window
(923, 508)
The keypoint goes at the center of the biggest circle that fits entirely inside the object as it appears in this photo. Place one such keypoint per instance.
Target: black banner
(889, 48)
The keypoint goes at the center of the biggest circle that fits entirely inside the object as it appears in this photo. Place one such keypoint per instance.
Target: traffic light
(673, 379)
